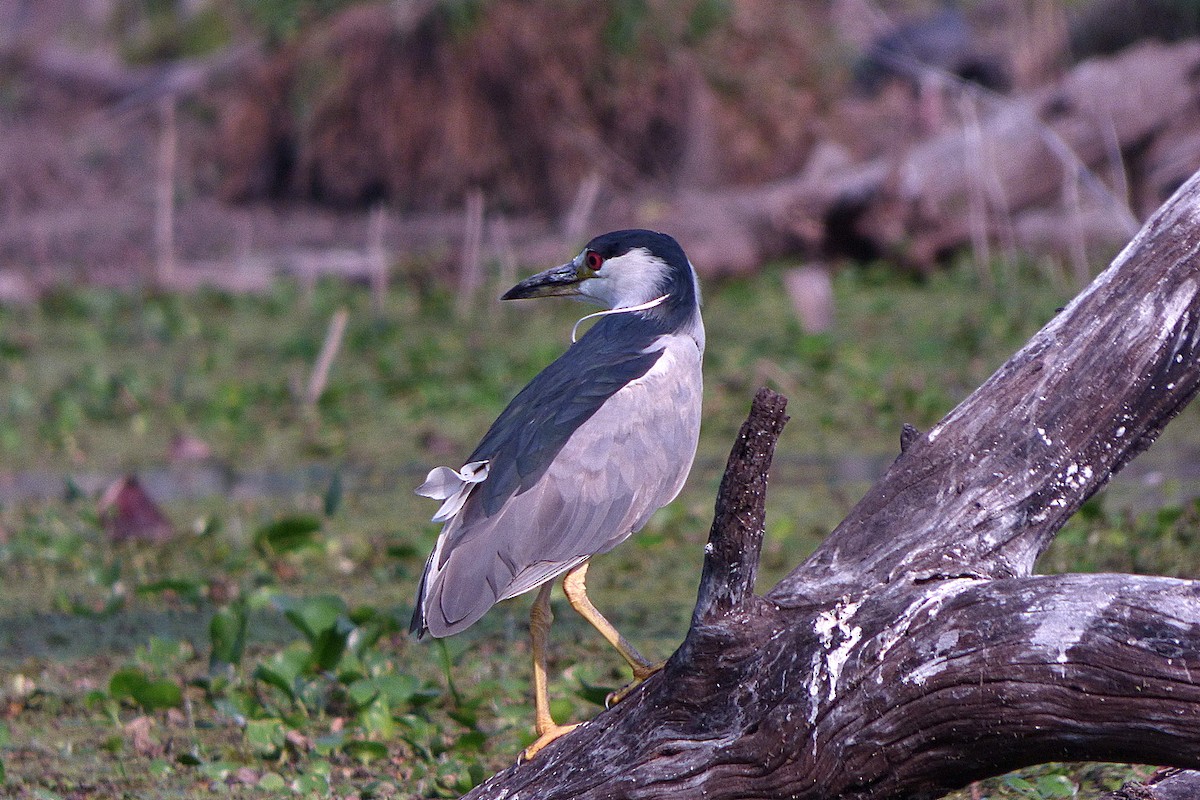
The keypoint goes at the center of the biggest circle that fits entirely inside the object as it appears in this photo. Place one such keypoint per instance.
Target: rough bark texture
(915, 651)
(1167, 784)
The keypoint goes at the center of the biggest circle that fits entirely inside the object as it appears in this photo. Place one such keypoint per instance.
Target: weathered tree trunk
(915, 651)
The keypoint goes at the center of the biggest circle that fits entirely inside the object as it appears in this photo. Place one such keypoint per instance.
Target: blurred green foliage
(269, 646)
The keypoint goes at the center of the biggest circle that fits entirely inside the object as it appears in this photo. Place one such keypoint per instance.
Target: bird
(581, 458)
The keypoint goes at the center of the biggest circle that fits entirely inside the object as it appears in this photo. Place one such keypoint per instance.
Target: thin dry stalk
(1073, 206)
(164, 195)
(977, 212)
(377, 262)
(1116, 161)
(502, 246)
(470, 278)
(579, 217)
(320, 373)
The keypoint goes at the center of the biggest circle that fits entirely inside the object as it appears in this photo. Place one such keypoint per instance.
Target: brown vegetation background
(272, 136)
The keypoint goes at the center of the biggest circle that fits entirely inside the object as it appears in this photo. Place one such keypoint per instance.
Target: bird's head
(619, 270)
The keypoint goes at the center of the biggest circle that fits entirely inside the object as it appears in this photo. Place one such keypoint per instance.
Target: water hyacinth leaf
(283, 669)
(191, 591)
(287, 535)
(313, 616)
(164, 653)
(271, 782)
(218, 770)
(227, 636)
(596, 695)
(398, 689)
(160, 694)
(151, 695)
(471, 741)
(265, 736)
(365, 752)
(376, 719)
(1055, 786)
(333, 495)
(327, 743)
(71, 490)
(362, 693)
(330, 644)
(1019, 784)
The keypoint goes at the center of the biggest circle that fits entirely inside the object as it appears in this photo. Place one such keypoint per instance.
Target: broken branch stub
(735, 540)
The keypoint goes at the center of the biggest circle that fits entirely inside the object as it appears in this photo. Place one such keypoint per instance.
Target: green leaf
(313, 616)
(271, 782)
(227, 636)
(150, 695)
(363, 692)
(190, 590)
(218, 770)
(327, 743)
(398, 689)
(376, 719)
(287, 535)
(265, 736)
(333, 495)
(160, 694)
(597, 695)
(164, 654)
(283, 669)
(1019, 784)
(363, 751)
(471, 741)
(1055, 786)
(71, 490)
(330, 644)
(125, 682)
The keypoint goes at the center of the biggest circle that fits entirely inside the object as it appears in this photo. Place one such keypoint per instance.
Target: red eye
(593, 260)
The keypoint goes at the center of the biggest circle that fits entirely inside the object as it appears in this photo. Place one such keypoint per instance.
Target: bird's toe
(546, 738)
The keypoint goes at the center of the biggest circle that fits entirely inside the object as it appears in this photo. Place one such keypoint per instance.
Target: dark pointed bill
(556, 281)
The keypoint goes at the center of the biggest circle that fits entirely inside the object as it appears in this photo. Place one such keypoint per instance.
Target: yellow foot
(640, 674)
(545, 739)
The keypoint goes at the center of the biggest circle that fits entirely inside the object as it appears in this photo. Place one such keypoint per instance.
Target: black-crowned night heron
(582, 456)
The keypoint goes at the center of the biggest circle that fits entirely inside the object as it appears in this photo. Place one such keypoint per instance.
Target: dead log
(1167, 784)
(913, 205)
(915, 651)
(106, 80)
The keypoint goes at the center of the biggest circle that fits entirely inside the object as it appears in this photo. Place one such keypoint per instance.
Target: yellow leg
(574, 586)
(547, 729)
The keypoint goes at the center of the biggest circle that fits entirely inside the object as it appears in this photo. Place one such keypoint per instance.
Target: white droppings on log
(937, 662)
(832, 626)
(1058, 631)
(929, 604)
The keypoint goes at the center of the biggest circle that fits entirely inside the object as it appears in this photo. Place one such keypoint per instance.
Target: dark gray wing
(629, 457)
(528, 434)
